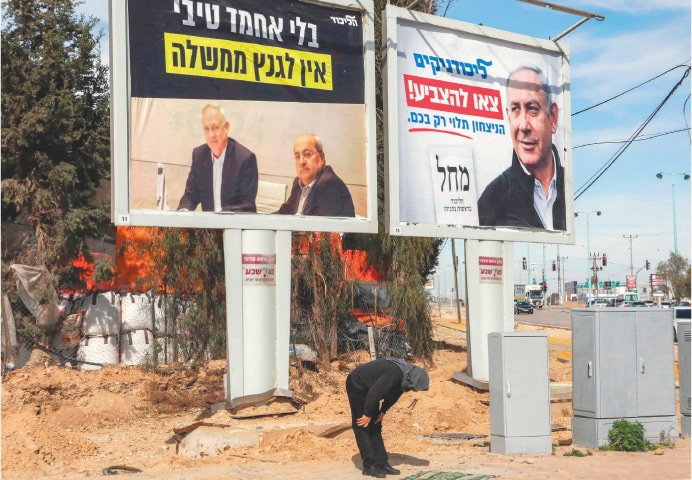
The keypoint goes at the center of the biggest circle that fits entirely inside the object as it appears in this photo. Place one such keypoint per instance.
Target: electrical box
(519, 383)
(622, 368)
(684, 359)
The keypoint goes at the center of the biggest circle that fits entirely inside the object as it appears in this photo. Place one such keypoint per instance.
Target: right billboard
(478, 132)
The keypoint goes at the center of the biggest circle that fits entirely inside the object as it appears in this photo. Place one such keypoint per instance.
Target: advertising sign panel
(243, 114)
(478, 140)
(631, 282)
(657, 282)
(490, 269)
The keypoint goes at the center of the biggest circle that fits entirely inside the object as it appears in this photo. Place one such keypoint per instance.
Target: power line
(580, 191)
(685, 116)
(629, 90)
(644, 137)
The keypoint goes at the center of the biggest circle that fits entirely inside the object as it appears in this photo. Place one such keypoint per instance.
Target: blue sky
(638, 40)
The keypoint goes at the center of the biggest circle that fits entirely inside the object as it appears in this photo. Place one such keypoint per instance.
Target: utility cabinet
(519, 384)
(622, 368)
(684, 359)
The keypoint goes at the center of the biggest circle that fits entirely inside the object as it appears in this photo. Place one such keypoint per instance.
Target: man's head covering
(414, 378)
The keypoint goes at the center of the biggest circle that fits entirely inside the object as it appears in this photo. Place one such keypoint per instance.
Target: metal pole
(456, 280)
(631, 263)
(588, 259)
(675, 220)
(544, 277)
(560, 286)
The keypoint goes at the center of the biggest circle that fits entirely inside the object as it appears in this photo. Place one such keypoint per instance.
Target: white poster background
(455, 195)
(430, 55)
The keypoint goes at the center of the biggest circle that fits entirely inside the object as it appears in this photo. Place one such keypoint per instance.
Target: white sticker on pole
(491, 269)
(259, 269)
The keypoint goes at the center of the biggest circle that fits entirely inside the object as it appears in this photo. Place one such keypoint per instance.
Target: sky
(637, 41)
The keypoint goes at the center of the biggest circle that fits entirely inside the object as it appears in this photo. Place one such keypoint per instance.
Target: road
(550, 317)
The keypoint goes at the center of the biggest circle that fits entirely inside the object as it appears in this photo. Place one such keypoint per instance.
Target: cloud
(607, 65)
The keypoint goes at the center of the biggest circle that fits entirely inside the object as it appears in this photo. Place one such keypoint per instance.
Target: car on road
(523, 307)
(638, 304)
(601, 302)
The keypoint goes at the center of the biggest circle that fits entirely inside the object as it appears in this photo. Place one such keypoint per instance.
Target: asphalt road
(550, 317)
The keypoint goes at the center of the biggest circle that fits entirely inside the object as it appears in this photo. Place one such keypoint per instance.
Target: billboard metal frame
(123, 214)
(394, 16)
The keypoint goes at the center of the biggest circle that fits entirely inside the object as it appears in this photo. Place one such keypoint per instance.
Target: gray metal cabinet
(622, 367)
(519, 383)
(684, 358)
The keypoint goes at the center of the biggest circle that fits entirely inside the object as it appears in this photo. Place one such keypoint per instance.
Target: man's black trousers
(369, 440)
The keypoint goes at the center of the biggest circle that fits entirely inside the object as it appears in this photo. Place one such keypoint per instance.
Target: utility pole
(456, 280)
(631, 237)
(561, 269)
(544, 276)
(560, 286)
(595, 268)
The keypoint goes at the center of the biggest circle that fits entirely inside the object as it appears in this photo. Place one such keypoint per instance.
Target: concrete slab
(209, 440)
(206, 441)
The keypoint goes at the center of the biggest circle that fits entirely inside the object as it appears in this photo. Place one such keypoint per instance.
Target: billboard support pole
(489, 304)
(258, 283)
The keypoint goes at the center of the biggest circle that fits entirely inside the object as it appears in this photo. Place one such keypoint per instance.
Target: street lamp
(588, 249)
(685, 176)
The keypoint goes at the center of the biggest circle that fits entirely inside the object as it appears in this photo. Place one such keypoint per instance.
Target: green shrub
(628, 437)
(578, 453)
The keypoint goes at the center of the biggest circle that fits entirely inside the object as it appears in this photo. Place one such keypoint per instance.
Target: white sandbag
(136, 347)
(102, 314)
(98, 349)
(137, 312)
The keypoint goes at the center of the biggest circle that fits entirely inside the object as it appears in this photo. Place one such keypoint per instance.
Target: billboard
(242, 114)
(478, 140)
(658, 284)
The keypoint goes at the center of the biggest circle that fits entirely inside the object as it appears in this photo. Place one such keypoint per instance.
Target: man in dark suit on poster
(223, 175)
(317, 190)
(531, 192)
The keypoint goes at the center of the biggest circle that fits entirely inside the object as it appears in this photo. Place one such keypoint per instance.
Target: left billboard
(242, 114)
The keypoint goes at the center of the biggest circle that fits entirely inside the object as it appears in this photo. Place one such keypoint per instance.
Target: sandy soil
(61, 423)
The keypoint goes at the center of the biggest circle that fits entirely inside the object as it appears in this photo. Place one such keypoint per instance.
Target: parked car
(679, 313)
(523, 307)
(601, 302)
(638, 304)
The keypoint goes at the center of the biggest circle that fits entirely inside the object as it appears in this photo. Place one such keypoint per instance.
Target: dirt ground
(61, 423)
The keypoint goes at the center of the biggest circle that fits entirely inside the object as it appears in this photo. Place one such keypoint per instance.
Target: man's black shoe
(374, 472)
(388, 469)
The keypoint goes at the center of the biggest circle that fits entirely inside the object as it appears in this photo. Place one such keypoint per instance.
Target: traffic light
(523, 264)
(553, 265)
(647, 264)
(605, 261)
(545, 287)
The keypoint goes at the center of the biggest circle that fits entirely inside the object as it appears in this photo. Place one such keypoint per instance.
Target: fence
(101, 328)
(124, 328)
